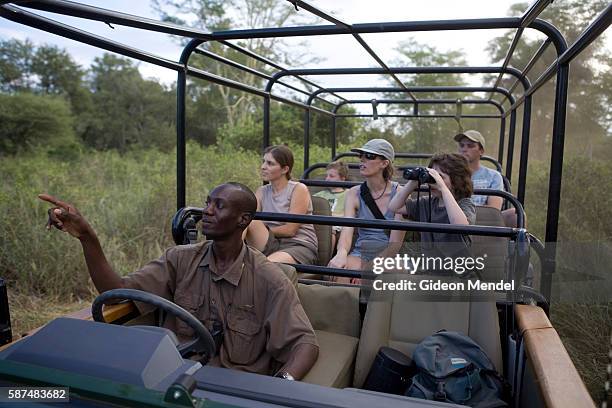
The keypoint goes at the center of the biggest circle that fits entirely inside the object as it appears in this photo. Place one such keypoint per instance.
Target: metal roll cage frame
(559, 67)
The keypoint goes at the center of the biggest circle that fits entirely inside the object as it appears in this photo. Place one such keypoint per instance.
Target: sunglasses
(370, 156)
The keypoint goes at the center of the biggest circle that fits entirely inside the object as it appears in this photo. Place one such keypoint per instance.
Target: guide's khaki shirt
(262, 317)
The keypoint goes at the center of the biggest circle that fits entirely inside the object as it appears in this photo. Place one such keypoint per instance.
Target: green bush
(28, 121)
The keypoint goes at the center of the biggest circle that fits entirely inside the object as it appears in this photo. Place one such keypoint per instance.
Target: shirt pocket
(191, 305)
(244, 342)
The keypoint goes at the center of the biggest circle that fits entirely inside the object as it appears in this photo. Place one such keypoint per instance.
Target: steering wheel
(202, 344)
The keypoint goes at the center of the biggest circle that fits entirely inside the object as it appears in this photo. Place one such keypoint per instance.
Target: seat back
(320, 206)
(401, 322)
(289, 272)
(495, 248)
(333, 309)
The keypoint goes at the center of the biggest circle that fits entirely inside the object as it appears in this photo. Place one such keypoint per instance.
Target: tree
(28, 120)
(44, 69)
(129, 110)
(16, 65)
(588, 109)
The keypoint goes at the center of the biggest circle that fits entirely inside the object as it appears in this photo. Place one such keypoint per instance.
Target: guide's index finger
(50, 199)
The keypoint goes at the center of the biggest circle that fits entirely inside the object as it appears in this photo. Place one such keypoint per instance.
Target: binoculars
(420, 174)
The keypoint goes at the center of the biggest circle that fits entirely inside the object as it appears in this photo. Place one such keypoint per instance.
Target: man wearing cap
(471, 145)
(376, 158)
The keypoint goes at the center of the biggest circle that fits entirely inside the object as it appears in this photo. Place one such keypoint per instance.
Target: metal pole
(306, 138)
(333, 137)
(524, 150)
(510, 153)
(181, 155)
(556, 170)
(266, 123)
(502, 135)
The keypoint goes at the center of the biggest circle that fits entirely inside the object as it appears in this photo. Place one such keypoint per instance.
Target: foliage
(46, 70)
(142, 111)
(28, 120)
(588, 109)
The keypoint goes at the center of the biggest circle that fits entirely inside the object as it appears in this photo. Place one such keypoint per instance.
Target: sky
(330, 51)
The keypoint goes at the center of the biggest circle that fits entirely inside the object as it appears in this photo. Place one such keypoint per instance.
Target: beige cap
(377, 146)
(473, 135)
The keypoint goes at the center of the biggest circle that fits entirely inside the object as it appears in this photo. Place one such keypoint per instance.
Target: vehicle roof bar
(359, 39)
(400, 70)
(269, 62)
(129, 20)
(252, 71)
(412, 115)
(531, 63)
(528, 16)
(109, 16)
(73, 9)
(503, 91)
(21, 16)
(24, 17)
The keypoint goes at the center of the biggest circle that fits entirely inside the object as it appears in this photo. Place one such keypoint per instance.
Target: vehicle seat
(496, 248)
(334, 314)
(289, 272)
(401, 322)
(320, 206)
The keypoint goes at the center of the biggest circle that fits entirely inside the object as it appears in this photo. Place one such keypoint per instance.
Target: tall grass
(128, 199)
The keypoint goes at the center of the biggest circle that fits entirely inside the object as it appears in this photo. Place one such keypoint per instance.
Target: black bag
(390, 372)
(451, 367)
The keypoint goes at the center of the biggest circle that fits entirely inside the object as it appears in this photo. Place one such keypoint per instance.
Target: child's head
(456, 173)
(336, 171)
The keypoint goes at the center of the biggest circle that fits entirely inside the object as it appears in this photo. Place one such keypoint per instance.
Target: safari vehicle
(124, 363)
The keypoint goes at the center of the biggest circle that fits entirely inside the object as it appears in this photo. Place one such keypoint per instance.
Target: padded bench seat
(334, 367)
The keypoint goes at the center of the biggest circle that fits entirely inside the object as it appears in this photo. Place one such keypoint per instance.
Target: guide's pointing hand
(65, 217)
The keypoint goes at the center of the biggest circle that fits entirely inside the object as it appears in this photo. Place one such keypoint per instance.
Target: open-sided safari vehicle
(129, 363)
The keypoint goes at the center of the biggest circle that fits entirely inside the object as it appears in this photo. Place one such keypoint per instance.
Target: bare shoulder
(301, 188)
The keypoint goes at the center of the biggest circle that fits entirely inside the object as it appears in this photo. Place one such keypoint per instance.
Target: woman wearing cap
(282, 241)
(376, 157)
(450, 203)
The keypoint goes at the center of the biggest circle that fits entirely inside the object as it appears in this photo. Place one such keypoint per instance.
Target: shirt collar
(232, 274)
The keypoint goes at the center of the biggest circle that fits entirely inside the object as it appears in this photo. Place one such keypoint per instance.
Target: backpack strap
(366, 195)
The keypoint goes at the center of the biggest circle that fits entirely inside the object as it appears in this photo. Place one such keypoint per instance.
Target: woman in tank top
(282, 241)
(376, 158)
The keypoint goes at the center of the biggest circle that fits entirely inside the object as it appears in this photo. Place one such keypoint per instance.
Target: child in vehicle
(449, 178)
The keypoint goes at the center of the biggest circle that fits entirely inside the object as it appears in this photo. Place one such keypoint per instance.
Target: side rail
(307, 172)
(489, 159)
(548, 376)
(518, 249)
(511, 199)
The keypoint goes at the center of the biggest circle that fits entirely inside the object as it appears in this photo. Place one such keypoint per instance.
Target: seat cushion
(331, 308)
(334, 366)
